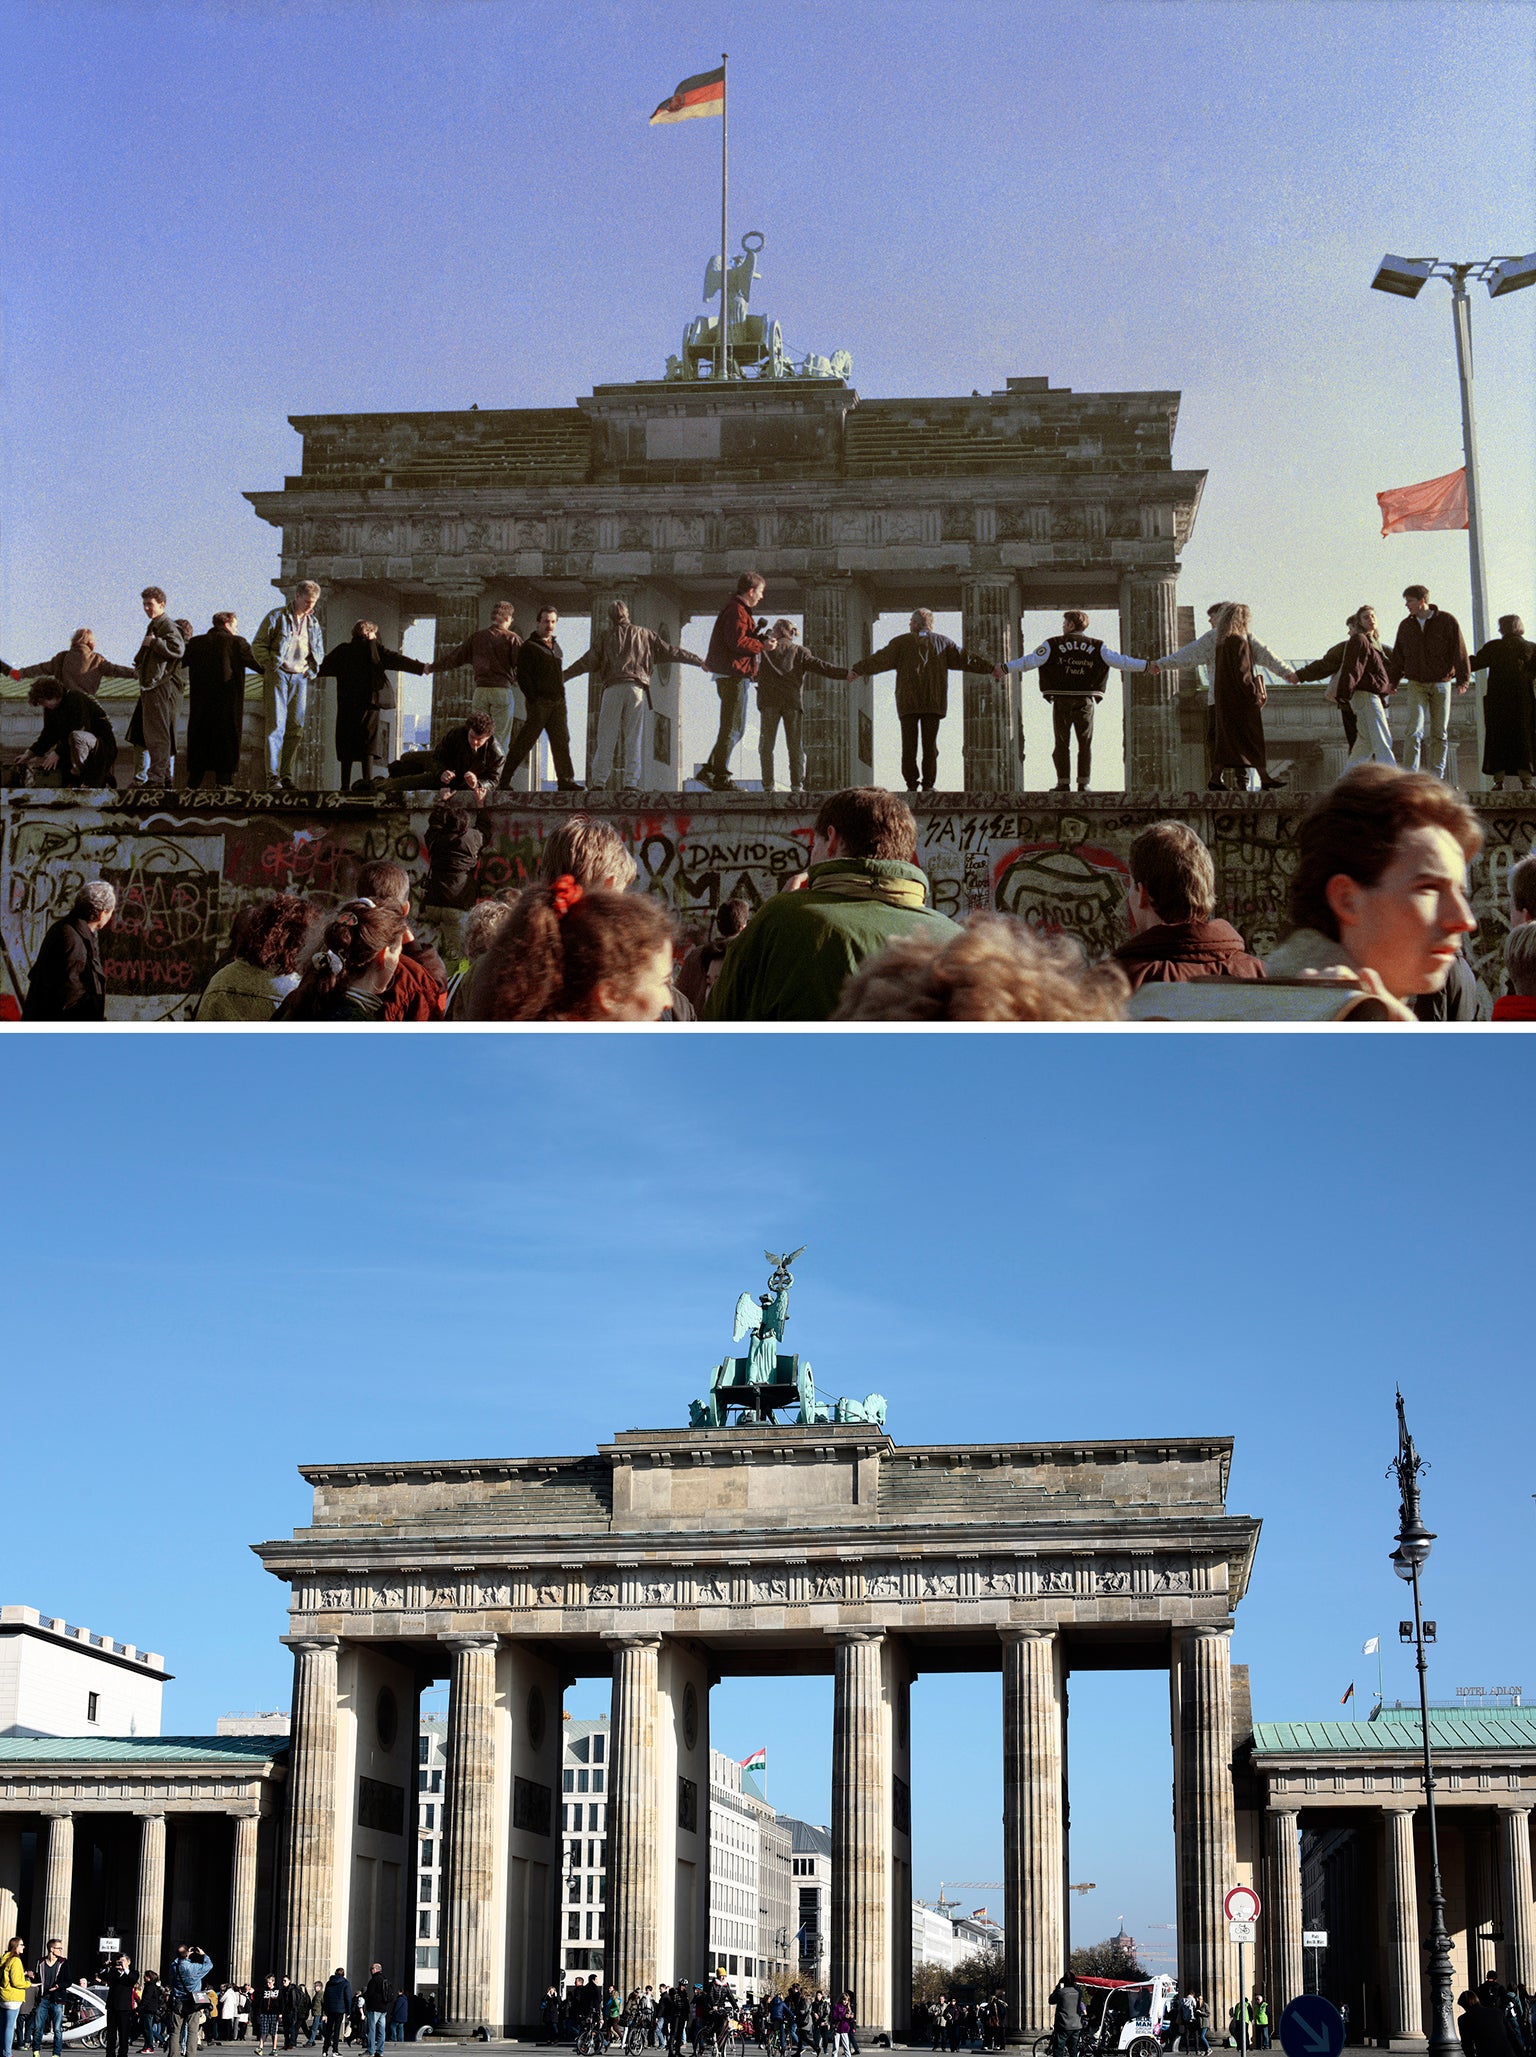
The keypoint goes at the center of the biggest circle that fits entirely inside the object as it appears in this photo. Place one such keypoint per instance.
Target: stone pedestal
(149, 1939)
(634, 1881)
(470, 1996)
(1285, 1971)
(1033, 1854)
(989, 613)
(242, 1901)
(1205, 1832)
(1519, 1967)
(861, 1824)
(1400, 1913)
(310, 1941)
(453, 692)
(58, 1880)
(1149, 627)
(839, 714)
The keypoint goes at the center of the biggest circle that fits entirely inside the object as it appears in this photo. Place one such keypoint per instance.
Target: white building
(431, 1761)
(811, 1880)
(933, 1937)
(584, 1825)
(751, 1925)
(60, 1680)
(978, 1931)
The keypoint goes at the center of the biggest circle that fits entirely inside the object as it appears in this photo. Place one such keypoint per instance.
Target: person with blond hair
(994, 969)
(1364, 682)
(290, 648)
(1239, 694)
(1519, 1003)
(591, 851)
(621, 662)
(1201, 653)
(568, 953)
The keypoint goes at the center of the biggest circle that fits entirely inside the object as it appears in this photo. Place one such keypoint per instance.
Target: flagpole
(721, 358)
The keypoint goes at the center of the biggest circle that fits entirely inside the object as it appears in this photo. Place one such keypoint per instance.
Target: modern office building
(811, 1878)
(57, 1679)
(584, 1827)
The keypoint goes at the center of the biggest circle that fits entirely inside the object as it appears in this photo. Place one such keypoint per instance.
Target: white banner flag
(1369, 1649)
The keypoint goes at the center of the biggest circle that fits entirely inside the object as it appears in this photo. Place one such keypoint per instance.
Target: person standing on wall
(1202, 652)
(922, 660)
(216, 663)
(735, 645)
(361, 668)
(1430, 655)
(491, 653)
(781, 675)
(1363, 685)
(621, 662)
(290, 648)
(1240, 695)
(156, 662)
(1074, 670)
(1509, 705)
(541, 679)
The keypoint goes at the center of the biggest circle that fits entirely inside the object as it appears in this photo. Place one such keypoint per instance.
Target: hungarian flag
(1433, 504)
(758, 1761)
(704, 93)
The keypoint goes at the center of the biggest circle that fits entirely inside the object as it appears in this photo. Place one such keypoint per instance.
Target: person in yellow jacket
(13, 1991)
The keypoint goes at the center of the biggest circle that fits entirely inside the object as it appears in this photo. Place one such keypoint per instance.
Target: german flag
(704, 93)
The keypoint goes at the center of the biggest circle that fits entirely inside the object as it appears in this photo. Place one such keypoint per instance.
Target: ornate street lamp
(1408, 1560)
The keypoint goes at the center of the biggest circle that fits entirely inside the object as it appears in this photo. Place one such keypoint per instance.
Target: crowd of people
(703, 2016)
(1427, 661)
(1379, 913)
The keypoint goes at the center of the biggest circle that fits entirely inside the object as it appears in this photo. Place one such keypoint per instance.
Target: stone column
(861, 1844)
(310, 1929)
(633, 1945)
(1404, 1980)
(1478, 1847)
(1034, 1944)
(1205, 1830)
(242, 1900)
(1284, 1970)
(469, 1889)
(59, 1880)
(989, 615)
(458, 616)
(10, 1874)
(839, 719)
(149, 1942)
(1149, 627)
(1515, 1893)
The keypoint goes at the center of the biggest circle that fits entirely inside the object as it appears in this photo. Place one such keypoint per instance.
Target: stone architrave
(1404, 1996)
(1205, 1828)
(470, 2000)
(861, 1813)
(242, 1899)
(310, 1950)
(453, 692)
(1285, 1967)
(1033, 1851)
(634, 1908)
(59, 1878)
(1149, 627)
(989, 614)
(1515, 1894)
(149, 1938)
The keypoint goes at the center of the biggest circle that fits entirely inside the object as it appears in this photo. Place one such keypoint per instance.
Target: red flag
(1349, 1695)
(1432, 504)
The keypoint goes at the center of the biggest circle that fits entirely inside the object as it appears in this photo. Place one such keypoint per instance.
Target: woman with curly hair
(568, 953)
(266, 938)
(996, 969)
(347, 978)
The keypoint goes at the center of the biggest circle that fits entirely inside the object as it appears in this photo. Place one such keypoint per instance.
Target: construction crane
(975, 1885)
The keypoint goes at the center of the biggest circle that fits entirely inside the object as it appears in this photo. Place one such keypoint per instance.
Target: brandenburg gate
(671, 1558)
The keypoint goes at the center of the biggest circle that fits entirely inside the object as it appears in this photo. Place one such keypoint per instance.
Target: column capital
(473, 1639)
(149, 1813)
(856, 1635)
(1408, 1811)
(248, 1810)
(1205, 1632)
(1514, 1806)
(1038, 1632)
(57, 1813)
(620, 1639)
(308, 1646)
(1282, 1810)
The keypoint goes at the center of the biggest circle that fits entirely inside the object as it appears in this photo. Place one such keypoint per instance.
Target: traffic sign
(1314, 1939)
(1241, 1904)
(1312, 2027)
(1243, 1931)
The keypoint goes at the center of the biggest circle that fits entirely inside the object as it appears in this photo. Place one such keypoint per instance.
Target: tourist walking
(399, 2017)
(53, 1979)
(1430, 653)
(842, 2026)
(151, 2012)
(267, 2012)
(13, 1991)
(1509, 703)
(337, 2005)
(621, 662)
(783, 667)
(573, 954)
(290, 648)
(1363, 681)
(67, 982)
(293, 2006)
(361, 668)
(1171, 907)
(76, 745)
(541, 680)
(735, 645)
(157, 664)
(922, 660)
(1074, 669)
(216, 664)
(347, 979)
(492, 655)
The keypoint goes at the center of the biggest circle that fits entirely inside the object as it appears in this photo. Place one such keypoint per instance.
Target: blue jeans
(49, 2012)
(397, 2031)
(8, 2015)
(377, 2021)
(1428, 707)
(285, 701)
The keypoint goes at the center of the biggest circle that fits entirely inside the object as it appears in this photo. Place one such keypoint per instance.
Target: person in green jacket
(863, 889)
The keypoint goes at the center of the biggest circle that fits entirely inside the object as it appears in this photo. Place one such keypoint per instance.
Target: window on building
(423, 1924)
(423, 1748)
(597, 1748)
(429, 1815)
(599, 1927)
(731, 1965)
(597, 1776)
(436, 1785)
(93, 1706)
(426, 1855)
(421, 1781)
(581, 1780)
(568, 1781)
(573, 1928)
(594, 1815)
(589, 1928)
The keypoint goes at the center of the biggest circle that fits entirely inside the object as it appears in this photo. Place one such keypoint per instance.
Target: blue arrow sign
(1312, 2027)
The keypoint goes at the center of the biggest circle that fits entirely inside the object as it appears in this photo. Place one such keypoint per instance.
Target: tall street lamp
(1406, 276)
(1408, 1559)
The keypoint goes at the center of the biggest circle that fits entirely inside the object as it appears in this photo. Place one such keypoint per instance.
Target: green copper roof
(140, 1749)
(1511, 1730)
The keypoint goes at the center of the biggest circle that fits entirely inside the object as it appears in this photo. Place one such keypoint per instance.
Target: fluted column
(1478, 1842)
(989, 615)
(861, 1845)
(1515, 1891)
(310, 1930)
(1206, 1829)
(469, 1889)
(453, 692)
(1149, 627)
(1285, 1972)
(1034, 1946)
(633, 1945)
(10, 1873)
(150, 1938)
(59, 1879)
(838, 751)
(242, 1900)
(1404, 1995)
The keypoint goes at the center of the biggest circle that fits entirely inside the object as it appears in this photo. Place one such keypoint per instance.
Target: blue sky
(218, 213)
(228, 1256)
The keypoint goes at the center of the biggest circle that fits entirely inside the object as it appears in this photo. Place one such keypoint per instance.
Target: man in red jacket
(1170, 903)
(734, 648)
